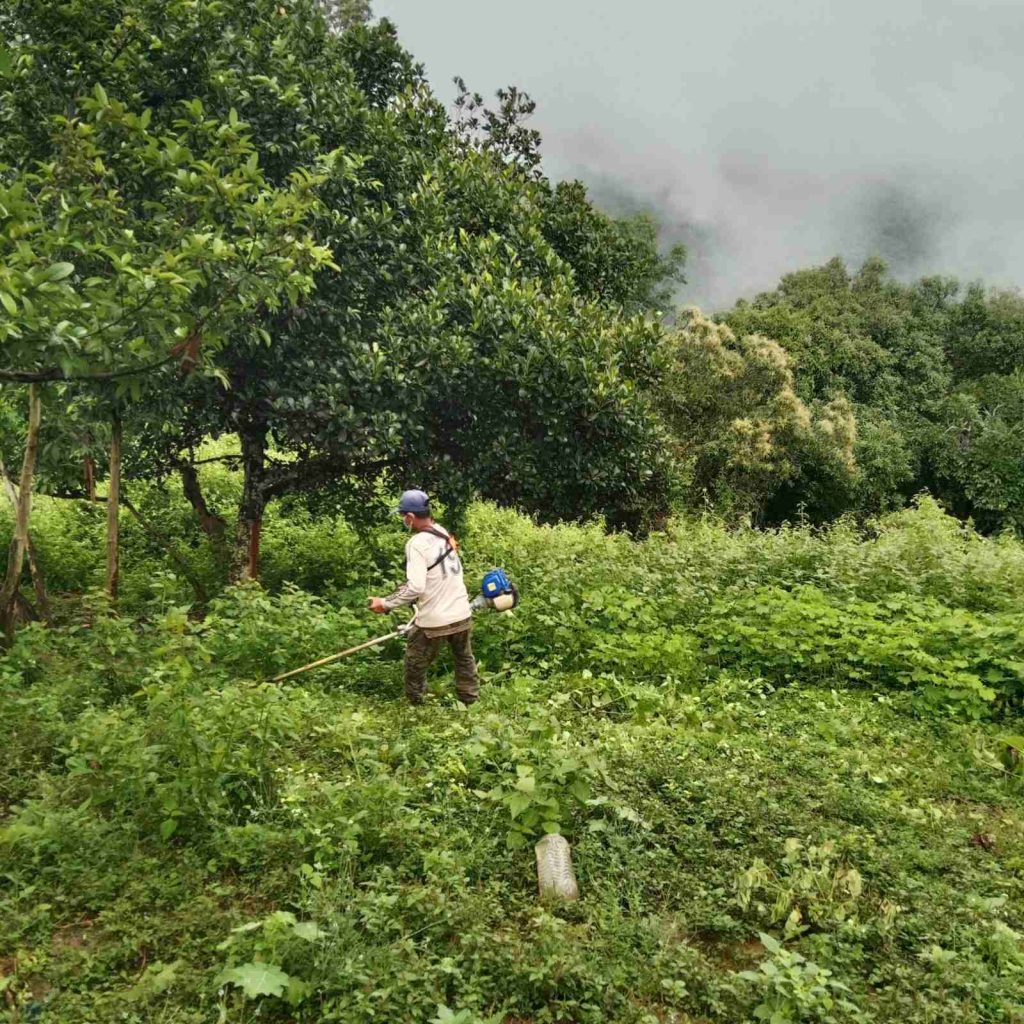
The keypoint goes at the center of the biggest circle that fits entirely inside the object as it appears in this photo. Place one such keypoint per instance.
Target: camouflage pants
(420, 653)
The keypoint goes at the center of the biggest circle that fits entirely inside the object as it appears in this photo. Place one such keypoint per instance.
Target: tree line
(258, 221)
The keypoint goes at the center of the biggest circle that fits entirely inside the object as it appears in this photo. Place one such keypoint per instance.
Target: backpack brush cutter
(497, 593)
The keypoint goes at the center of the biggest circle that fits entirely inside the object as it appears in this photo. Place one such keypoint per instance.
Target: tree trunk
(246, 563)
(210, 523)
(19, 542)
(252, 569)
(113, 507)
(38, 581)
(90, 477)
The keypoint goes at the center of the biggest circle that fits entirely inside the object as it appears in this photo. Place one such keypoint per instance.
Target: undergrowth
(788, 764)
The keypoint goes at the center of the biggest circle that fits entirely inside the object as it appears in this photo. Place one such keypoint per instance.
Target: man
(435, 584)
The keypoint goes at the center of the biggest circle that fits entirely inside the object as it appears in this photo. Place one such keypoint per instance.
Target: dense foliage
(382, 293)
(471, 324)
(250, 264)
(740, 430)
(934, 372)
(787, 763)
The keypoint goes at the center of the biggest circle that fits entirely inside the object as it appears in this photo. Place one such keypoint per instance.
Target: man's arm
(415, 584)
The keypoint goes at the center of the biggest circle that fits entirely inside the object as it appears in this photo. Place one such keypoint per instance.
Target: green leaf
(580, 790)
(526, 784)
(158, 978)
(58, 271)
(167, 828)
(515, 840)
(517, 803)
(298, 991)
(308, 930)
(628, 814)
(9, 303)
(256, 979)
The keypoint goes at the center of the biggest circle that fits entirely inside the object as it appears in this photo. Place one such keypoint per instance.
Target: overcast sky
(767, 135)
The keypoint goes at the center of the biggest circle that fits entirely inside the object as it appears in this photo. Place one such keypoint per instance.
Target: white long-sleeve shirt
(439, 593)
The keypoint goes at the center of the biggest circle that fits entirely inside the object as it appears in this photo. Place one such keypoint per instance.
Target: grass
(181, 841)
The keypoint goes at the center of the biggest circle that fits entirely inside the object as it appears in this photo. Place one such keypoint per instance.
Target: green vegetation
(470, 324)
(933, 370)
(253, 279)
(783, 797)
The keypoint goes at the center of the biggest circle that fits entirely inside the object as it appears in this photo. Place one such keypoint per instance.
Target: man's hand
(376, 605)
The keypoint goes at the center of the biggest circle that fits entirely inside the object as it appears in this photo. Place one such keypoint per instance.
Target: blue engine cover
(495, 583)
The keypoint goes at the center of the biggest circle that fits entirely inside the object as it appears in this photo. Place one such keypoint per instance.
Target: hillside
(257, 280)
(742, 735)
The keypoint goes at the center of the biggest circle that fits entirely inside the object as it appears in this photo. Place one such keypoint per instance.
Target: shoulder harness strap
(450, 545)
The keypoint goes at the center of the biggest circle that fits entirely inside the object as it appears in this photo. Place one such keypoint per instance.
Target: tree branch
(311, 474)
(212, 524)
(215, 458)
(55, 373)
(155, 535)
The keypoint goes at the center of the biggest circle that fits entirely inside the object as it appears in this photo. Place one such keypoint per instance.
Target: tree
(341, 15)
(739, 426)
(615, 261)
(341, 389)
(931, 369)
(874, 342)
(978, 450)
(502, 133)
(985, 333)
(127, 250)
(485, 336)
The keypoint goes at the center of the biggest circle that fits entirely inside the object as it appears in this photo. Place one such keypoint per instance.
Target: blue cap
(414, 501)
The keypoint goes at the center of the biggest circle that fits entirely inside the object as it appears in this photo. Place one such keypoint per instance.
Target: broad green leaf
(526, 784)
(515, 840)
(308, 930)
(517, 803)
(257, 979)
(298, 991)
(580, 790)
